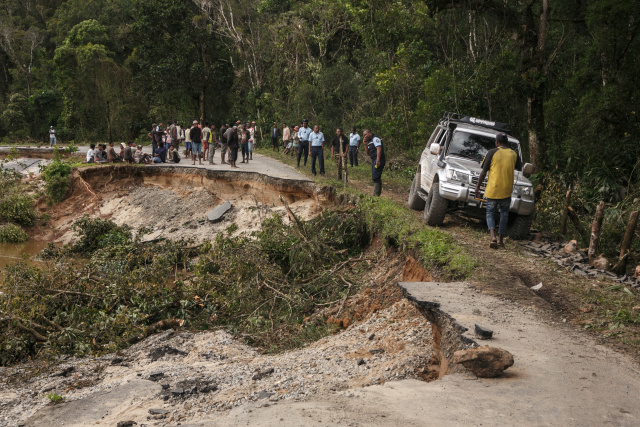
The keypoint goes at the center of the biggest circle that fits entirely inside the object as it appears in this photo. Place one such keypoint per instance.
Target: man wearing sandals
(499, 163)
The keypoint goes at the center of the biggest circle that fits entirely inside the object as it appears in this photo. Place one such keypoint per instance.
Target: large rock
(637, 271)
(571, 247)
(218, 212)
(485, 361)
(600, 262)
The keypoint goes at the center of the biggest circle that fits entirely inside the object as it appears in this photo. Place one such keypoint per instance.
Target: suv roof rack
(448, 117)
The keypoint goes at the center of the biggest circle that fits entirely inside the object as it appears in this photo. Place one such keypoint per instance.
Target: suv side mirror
(434, 149)
(527, 169)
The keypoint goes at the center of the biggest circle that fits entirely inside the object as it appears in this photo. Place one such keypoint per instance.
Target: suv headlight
(523, 190)
(457, 175)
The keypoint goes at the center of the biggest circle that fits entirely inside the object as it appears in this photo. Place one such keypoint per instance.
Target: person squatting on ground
(500, 164)
(196, 142)
(316, 139)
(354, 146)
(304, 134)
(339, 148)
(160, 155)
(375, 150)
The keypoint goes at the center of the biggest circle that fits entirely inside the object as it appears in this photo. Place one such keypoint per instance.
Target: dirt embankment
(173, 202)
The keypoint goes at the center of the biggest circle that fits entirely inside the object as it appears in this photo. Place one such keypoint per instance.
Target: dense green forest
(564, 73)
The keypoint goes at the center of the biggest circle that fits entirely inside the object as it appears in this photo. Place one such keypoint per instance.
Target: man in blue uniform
(375, 150)
(316, 139)
(303, 147)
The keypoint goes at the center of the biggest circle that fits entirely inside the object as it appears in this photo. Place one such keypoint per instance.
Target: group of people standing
(200, 142)
(304, 140)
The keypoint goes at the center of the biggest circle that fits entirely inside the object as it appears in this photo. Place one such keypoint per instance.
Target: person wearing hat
(374, 148)
(196, 142)
(52, 136)
(303, 133)
(500, 164)
(275, 134)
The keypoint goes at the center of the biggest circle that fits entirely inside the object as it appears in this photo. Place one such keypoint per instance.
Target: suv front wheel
(415, 201)
(435, 207)
(519, 228)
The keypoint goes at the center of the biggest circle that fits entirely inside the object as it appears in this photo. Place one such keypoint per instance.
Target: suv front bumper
(461, 192)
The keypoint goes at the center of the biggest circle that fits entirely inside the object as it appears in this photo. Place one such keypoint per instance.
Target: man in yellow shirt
(500, 163)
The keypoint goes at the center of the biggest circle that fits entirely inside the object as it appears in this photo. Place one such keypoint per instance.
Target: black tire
(415, 201)
(519, 228)
(435, 207)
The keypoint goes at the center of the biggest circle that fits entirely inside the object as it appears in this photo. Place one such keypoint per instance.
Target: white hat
(195, 122)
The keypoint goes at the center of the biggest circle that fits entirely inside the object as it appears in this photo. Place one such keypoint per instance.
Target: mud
(173, 202)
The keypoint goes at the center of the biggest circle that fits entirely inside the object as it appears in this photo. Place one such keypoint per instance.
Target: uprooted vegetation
(275, 287)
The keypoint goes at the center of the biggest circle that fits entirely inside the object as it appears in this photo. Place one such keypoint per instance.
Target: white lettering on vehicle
(481, 122)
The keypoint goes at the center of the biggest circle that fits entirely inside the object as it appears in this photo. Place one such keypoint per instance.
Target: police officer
(375, 150)
(303, 134)
(316, 138)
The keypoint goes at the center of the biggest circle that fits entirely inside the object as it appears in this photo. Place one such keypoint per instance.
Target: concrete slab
(218, 212)
(117, 405)
(561, 377)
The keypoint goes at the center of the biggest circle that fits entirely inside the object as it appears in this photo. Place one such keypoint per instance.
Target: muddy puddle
(10, 253)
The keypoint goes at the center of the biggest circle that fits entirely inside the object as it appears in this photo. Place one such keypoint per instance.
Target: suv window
(473, 146)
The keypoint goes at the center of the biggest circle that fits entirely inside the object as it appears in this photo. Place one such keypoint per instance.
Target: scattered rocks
(261, 374)
(371, 337)
(159, 412)
(361, 361)
(485, 361)
(569, 255)
(376, 351)
(483, 333)
(162, 351)
(126, 424)
(155, 376)
(264, 394)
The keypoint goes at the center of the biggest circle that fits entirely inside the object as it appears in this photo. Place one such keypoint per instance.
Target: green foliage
(400, 227)
(17, 208)
(265, 286)
(11, 233)
(54, 398)
(56, 176)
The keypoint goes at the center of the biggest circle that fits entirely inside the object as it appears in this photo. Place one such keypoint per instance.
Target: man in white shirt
(52, 136)
(316, 138)
(354, 144)
(303, 134)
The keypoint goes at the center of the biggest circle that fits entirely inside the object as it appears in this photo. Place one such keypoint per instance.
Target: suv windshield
(473, 146)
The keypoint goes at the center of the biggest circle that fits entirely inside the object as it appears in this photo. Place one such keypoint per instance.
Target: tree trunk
(595, 231)
(576, 223)
(565, 212)
(621, 265)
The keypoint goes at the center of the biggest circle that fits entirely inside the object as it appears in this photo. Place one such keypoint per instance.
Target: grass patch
(394, 222)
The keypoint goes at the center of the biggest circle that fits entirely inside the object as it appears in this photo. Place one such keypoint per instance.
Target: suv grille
(474, 182)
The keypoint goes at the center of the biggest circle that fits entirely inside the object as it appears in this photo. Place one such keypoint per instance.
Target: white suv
(448, 173)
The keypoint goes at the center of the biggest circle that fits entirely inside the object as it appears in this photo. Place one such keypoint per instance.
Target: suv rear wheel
(415, 201)
(435, 207)
(519, 228)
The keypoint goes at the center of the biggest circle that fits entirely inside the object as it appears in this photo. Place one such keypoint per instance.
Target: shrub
(12, 234)
(17, 208)
(56, 176)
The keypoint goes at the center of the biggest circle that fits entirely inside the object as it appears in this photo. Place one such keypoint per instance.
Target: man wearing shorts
(233, 146)
(196, 142)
